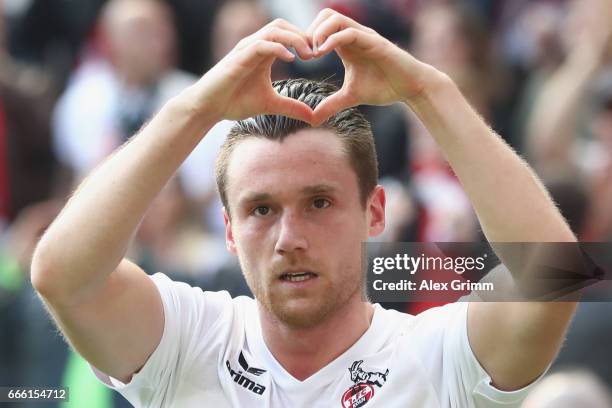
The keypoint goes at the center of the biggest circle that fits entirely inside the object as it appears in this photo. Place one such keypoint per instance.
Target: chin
(304, 313)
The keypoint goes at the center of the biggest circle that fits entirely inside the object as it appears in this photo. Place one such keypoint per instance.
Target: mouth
(297, 276)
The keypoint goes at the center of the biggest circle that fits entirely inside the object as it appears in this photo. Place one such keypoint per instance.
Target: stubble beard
(319, 307)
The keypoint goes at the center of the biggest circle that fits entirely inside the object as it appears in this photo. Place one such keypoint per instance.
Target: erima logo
(243, 381)
(245, 366)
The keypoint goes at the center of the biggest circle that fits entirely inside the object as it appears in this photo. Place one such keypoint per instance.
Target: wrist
(432, 82)
(194, 105)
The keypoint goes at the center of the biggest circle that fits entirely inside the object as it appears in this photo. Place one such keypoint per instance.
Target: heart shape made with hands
(372, 64)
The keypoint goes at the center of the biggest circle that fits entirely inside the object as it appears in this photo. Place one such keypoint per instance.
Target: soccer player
(300, 191)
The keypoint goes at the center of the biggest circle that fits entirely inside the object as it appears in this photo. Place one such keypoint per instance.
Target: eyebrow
(254, 197)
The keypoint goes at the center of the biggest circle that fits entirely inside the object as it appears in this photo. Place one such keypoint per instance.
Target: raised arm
(106, 306)
(510, 202)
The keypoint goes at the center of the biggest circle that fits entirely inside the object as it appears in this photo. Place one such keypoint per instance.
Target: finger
(282, 31)
(289, 39)
(323, 15)
(347, 37)
(260, 50)
(334, 23)
(285, 106)
(331, 105)
(284, 24)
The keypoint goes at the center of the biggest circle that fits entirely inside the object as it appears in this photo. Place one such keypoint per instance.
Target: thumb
(331, 105)
(285, 106)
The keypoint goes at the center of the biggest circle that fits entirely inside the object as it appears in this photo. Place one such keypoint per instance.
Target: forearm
(510, 202)
(512, 206)
(89, 238)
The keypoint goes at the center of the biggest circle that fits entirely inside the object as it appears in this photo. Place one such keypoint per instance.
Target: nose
(291, 236)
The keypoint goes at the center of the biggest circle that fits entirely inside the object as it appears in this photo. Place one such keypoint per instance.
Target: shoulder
(443, 314)
(174, 291)
(436, 318)
(192, 307)
(430, 334)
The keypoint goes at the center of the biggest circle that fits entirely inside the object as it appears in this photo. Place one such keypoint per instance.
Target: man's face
(297, 224)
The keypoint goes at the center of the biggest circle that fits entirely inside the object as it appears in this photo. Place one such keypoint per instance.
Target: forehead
(307, 158)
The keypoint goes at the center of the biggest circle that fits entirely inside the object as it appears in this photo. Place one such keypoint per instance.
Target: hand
(377, 72)
(239, 86)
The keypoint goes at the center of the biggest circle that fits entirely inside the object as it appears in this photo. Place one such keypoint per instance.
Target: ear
(376, 211)
(229, 234)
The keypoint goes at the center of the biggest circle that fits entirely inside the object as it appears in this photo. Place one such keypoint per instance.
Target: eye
(261, 211)
(321, 203)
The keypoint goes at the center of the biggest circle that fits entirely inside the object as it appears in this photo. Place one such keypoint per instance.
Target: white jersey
(212, 354)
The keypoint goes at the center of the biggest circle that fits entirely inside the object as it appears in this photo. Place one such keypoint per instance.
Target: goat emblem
(359, 376)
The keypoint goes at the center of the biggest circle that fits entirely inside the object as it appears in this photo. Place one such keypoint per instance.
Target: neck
(304, 351)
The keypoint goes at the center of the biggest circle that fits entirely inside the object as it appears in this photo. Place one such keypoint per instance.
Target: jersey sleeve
(191, 319)
(468, 383)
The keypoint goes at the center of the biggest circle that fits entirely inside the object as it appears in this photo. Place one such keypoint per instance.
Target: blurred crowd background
(78, 78)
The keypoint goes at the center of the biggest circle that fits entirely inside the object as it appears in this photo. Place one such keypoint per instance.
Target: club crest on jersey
(363, 388)
(242, 380)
